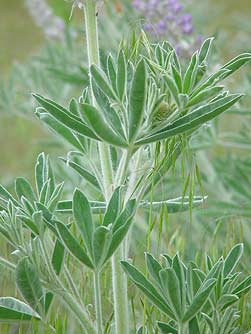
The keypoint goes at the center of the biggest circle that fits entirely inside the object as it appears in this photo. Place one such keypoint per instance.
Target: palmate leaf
(101, 127)
(24, 188)
(137, 100)
(110, 114)
(73, 245)
(59, 128)
(113, 207)
(29, 285)
(89, 177)
(232, 259)
(224, 72)
(146, 287)
(121, 75)
(199, 300)
(101, 80)
(65, 117)
(12, 309)
(83, 218)
(193, 120)
(101, 242)
(171, 288)
(190, 75)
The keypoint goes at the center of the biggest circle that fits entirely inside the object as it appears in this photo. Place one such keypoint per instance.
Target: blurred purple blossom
(42, 14)
(168, 18)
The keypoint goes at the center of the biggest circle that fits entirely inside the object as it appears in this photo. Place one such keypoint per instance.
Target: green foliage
(179, 92)
(188, 295)
(12, 309)
(139, 113)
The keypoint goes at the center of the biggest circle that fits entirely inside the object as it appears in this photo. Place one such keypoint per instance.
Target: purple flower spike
(167, 18)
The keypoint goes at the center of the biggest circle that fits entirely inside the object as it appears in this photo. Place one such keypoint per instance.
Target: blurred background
(42, 50)
(21, 39)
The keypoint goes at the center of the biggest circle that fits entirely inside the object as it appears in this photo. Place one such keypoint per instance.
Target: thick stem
(182, 328)
(93, 58)
(98, 305)
(91, 32)
(119, 284)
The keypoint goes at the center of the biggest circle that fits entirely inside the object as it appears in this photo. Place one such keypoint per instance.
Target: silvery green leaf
(199, 300)
(65, 117)
(101, 242)
(58, 256)
(101, 80)
(154, 267)
(137, 100)
(174, 90)
(72, 244)
(190, 75)
(60, 129)
(205, 49)
(180, 271)
(204, 94)
(83, 172)
(83, 218)
(101, 127)
(113, 208)
(146, 287)
(110, 114)
(171, 289)
(166, 328)
(193, 119)
(243, 288)
(174, 205)
(12, 309)
(110, 67)
(29, 285)
(226, 300)
(232, 259)
(23, 188)
(121, 75)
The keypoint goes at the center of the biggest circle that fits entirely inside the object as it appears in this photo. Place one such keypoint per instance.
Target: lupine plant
(194, 301)
(127, 129)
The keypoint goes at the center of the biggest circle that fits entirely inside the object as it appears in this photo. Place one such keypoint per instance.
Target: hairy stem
(93, 58)
(98, 304)
(119, 284)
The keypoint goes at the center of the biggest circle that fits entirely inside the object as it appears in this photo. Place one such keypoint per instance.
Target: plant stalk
(91, 27)
(98, 303)
(182, 328)
(119, 278)
(120, 296)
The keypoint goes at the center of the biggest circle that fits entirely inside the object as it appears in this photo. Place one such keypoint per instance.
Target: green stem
(93, 58)
(119, 278)
(98, 305)
(91, 32)
(120, 296)
(182, 328)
